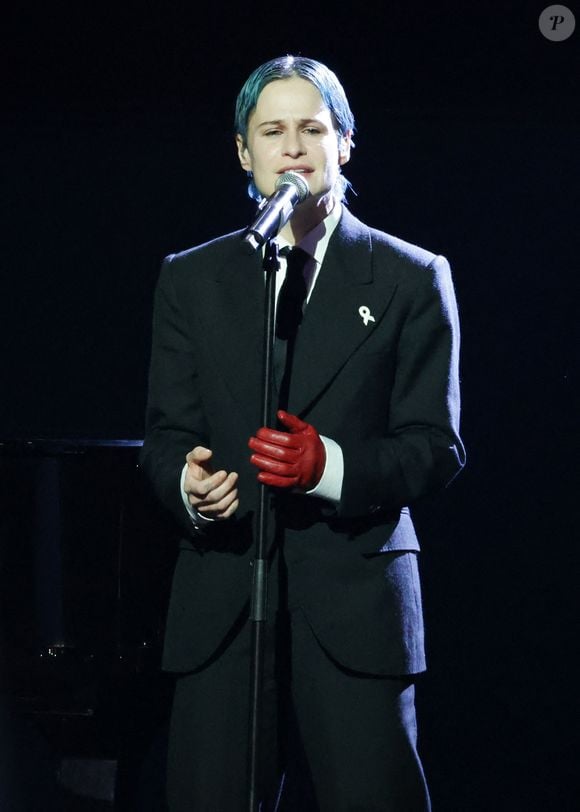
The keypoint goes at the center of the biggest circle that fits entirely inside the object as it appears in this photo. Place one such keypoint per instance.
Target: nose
(293, 144)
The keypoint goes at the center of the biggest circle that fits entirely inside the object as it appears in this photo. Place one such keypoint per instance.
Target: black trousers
(335, 740)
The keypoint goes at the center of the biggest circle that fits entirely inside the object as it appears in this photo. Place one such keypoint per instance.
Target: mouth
(300, 170)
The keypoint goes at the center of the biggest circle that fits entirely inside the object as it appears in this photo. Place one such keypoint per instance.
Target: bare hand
(213, 494)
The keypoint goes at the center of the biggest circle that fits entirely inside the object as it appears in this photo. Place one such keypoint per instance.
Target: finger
(282, 438)
(273, 466)
(274, 451)
(199, 462)
(221, 509)
(200, 487)
(223, 490)
(225, 514)
(198, 454)
(277, 481)
(231, 510)
(291, 421)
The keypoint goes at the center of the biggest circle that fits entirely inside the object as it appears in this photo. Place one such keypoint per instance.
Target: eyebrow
(280, 121)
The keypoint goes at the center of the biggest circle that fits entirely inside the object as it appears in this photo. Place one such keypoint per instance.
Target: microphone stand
(259, 589)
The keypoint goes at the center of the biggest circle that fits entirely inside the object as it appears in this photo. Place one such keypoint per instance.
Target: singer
(367, 390)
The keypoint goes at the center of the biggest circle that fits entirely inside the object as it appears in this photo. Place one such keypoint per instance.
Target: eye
(272, 132)
(312, 130)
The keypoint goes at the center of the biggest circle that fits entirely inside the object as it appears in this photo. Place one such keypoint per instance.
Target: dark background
(117, 149)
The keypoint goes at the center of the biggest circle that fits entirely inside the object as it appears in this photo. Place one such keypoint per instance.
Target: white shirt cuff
(330, 485)
(197, 519)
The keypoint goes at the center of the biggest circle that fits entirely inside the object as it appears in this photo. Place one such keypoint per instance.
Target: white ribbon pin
(365, 314)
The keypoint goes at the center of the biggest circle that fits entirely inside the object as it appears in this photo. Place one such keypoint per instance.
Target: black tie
(292, 294)
(289, 311)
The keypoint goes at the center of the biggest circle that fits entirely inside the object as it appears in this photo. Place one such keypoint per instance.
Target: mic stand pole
(259, 589)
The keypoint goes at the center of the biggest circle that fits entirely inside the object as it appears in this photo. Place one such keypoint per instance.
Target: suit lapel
(337, 318)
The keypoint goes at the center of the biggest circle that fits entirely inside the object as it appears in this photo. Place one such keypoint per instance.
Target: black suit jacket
(385, 389)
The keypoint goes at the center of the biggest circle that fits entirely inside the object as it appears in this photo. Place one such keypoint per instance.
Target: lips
(302, 170)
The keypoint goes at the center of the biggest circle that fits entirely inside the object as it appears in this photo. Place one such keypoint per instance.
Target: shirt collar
(316, 241)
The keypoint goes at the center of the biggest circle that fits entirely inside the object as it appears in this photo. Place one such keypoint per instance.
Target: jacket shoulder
(210, 250)
(384, 246)
(401, 249)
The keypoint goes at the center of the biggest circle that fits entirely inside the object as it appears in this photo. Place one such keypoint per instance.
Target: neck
(306, 216)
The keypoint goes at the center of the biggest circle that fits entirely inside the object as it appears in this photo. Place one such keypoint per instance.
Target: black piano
(86, 558)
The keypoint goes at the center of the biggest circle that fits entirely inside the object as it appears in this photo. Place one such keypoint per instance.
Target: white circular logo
(557, 23)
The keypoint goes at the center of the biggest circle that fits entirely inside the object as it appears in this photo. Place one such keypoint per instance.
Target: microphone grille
(297, 181)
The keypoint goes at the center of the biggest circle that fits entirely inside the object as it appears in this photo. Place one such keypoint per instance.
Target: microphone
(274, 211)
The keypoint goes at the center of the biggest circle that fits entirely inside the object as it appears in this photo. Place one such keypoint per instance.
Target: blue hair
(284, 67)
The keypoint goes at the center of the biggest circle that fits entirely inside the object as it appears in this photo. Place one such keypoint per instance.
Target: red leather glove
(293, 459)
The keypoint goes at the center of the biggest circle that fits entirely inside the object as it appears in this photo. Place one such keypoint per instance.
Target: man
(368, 390)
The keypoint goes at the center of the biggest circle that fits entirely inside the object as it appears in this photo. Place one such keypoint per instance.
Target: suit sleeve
(420, 451)
(175, 420)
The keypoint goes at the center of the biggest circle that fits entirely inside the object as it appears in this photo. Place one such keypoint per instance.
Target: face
(291, 129)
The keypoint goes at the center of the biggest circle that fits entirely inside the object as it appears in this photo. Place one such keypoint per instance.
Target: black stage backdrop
(117, 149)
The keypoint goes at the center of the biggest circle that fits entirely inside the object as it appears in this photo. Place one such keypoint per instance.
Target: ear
(344, 145)
(243, 154)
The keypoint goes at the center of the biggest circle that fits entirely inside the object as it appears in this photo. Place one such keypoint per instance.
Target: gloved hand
(293, 459)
